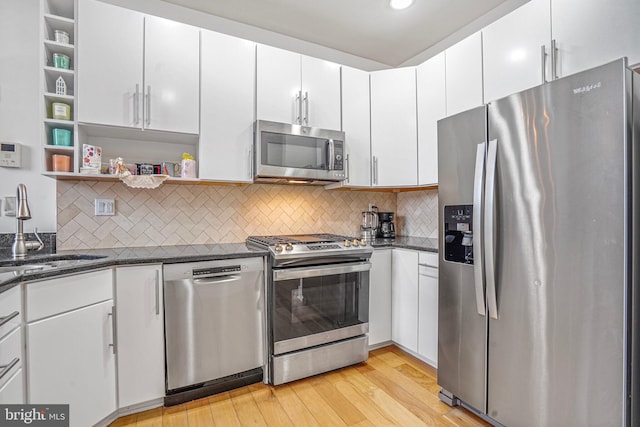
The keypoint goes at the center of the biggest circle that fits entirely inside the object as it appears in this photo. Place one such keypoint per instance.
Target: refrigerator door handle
(489, 228)
(478, 258)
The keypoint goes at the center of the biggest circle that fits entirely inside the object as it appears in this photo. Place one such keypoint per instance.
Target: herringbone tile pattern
(193, 214)
(417, 214)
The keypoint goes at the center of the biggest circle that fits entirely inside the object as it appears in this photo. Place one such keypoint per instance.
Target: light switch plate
(105, 207)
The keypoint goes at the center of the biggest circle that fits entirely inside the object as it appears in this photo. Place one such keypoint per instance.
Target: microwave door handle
(332, 154)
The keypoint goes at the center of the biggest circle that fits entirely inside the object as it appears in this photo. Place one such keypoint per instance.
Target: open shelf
(54, 22)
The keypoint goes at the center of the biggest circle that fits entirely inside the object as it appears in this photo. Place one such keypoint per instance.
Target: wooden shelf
(52, 70)
(63, 149)
(55, 47)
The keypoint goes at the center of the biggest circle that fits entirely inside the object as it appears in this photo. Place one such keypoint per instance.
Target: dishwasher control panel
(198, 272)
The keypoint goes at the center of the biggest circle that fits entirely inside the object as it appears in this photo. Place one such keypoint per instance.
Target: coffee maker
(386, 227)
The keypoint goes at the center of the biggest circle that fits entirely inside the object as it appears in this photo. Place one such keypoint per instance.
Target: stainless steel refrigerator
(539, 230)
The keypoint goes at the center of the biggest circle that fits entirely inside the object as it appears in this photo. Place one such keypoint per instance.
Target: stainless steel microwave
(286, 153)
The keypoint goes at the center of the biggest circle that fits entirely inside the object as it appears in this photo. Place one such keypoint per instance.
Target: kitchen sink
(24, 266)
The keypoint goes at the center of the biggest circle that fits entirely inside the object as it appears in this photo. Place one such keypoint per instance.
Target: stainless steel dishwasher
(214, 317)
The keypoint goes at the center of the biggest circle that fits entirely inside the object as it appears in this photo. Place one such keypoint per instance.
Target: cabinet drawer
(50, 297)
(425, 270)
(428, 258)
(10, 355)
(10, 303)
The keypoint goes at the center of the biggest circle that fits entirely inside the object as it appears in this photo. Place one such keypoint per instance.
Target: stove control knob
(363, 242)
(347, 243)
(278, 247)
(355, 242)
(288, 247)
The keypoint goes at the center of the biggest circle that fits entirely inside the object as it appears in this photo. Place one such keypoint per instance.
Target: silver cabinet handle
(478, 266)
(554, 59)
(306, 272)
(136, 105)
(157, 293)
(489, 228)
(5, 319)
(306, 108)
(250, 170)
(374, 172)
(147, 97)
(346, 168)
(543, 62)
(299, 107)
(6, 368)
(113, 329)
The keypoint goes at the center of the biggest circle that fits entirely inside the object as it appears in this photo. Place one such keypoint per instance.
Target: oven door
(320, 304)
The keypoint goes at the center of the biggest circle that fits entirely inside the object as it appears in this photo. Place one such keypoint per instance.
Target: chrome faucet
(20, 245)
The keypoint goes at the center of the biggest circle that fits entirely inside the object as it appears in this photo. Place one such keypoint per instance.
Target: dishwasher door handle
(217, 279)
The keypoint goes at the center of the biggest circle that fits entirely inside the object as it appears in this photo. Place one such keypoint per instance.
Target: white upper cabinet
(320, 93)
(227, 106)
(146, 76)
(110, 67)
(292, 88)
(356, 124)
(464, 75)
(432, 101)
(593, 32)
(171, 75)
(515, 50)
(394, 130)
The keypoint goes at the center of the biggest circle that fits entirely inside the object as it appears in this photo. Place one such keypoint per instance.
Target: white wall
(20, 119)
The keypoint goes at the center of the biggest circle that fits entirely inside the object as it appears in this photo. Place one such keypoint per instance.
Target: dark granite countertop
(407, 242)
(131, 256)
(172, 254)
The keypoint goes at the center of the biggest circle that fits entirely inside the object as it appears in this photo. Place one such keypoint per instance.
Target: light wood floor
(391, 388)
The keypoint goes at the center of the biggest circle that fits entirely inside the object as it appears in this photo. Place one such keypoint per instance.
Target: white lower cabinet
(12, 391)
(414, 299)
(11, 377)
(380, 297)
(428, 307)
(404, 298)
(140, 334)
(70, 345)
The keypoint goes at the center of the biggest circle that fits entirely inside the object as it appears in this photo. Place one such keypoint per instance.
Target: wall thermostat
(10, 154)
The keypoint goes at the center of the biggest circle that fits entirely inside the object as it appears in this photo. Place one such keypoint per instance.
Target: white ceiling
(367, 29)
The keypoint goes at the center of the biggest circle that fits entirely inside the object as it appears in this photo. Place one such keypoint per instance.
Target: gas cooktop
(308, 244)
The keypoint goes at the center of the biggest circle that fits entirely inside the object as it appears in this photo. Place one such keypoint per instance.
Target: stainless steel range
(318, 303)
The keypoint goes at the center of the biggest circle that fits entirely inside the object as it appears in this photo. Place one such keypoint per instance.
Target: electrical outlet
(105, 207)
(372, 206)
(9, 206)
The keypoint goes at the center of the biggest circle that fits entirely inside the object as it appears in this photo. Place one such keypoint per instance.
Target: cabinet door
(171, 76)
(12, 392)
(227, 106)
(140, 331)
(70, 361)
(320, 93)
(356, 124)
(109, 64)
(278, 83)
(380, 297)
(464, 75)
(592, 33)
(432, 103)
(428, 314)
(404, 298)
(394, 134)
(512, 50)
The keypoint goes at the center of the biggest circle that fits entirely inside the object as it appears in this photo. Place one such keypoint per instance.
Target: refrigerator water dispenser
(458, 233)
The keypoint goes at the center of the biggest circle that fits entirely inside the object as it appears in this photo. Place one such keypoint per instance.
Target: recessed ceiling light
(400, 4)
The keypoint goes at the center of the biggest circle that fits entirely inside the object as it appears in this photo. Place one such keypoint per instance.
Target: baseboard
(380, 345)
(429, 362)
(141, 407)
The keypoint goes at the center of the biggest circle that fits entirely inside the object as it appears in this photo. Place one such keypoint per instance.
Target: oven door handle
(324, 270)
